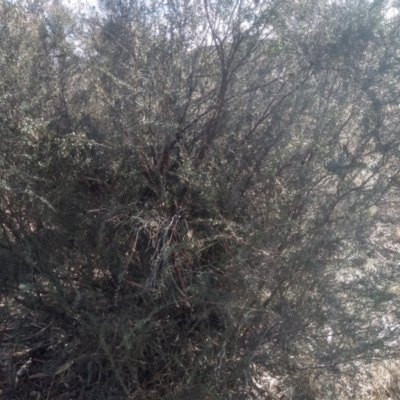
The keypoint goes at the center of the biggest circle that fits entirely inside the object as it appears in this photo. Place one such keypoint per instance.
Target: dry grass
(381, 382)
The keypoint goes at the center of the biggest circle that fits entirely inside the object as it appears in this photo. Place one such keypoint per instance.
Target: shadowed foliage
(190, 191)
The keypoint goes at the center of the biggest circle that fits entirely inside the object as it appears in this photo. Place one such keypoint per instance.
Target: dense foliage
(192, 184)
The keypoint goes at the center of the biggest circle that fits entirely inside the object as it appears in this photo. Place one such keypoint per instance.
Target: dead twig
(37, 334)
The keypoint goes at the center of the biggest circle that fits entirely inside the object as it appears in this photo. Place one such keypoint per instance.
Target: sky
(83, 4)
(80, 4)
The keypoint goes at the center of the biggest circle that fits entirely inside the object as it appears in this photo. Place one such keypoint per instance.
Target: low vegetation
(199, 200)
